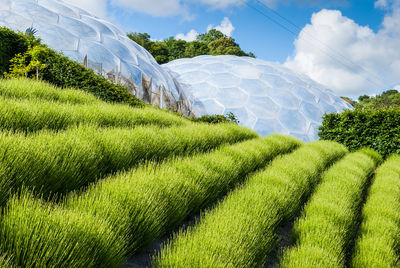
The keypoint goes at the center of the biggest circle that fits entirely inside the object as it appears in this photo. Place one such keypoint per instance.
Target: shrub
(377, 129)
(11, 43)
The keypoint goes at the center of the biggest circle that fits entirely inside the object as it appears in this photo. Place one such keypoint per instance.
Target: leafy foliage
(386, 100)
(211, 43)
(24, 55)
(11, 44)
(216, 119)
(377, 129)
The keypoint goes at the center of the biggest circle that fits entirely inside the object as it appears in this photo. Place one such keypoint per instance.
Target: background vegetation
(211, 43)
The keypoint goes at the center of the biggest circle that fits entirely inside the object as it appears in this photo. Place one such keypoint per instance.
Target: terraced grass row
(241, 230)
(34, 115)
(121, 214)
(378, 243)
(29, 89)
(324, 233)
(65, 161)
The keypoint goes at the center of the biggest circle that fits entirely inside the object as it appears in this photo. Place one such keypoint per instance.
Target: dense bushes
(11, 43)
(64, 72)
(377, 129)
(58, 69)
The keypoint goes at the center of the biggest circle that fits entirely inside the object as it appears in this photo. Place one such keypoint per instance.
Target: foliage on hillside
(211, 43)
(378, 129)
(24, 55)
(386, 100)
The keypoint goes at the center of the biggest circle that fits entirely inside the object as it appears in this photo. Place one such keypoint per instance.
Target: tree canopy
(386, 100)
(213, 42)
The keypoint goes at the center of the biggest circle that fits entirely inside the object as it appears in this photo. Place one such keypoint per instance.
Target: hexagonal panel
(78, 34)
(279, 100)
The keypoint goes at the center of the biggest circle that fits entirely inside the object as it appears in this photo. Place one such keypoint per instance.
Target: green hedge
(377, 129)
(64, 72)
(60, 70)
(11, 43)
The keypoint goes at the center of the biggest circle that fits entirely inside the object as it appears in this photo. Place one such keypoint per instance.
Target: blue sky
(350, 46)
(253, 31)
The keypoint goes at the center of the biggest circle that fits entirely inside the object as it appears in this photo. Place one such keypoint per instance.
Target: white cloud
(225, 27)
(381, 4)
(190, 36)
(346, 57)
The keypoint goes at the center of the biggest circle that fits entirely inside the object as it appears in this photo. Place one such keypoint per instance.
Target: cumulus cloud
(189, 37)
(225, 27)
(349, 58)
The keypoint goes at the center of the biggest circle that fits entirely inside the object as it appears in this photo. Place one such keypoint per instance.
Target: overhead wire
(349, 64)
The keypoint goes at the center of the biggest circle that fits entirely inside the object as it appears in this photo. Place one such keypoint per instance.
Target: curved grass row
(56, 163)
(29, 89)
(34, 115)
(119, 215)
(324, 233)
(378, 242)
(241, 230)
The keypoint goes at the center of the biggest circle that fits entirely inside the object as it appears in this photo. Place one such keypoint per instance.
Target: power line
(319, 41)
(352, 64)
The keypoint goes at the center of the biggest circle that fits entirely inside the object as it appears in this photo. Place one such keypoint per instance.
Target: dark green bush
(11, 43)
(377, 129)
(60, 70)
(216, 119)
(64, 72)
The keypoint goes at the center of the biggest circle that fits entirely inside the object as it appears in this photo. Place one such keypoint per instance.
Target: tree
(210, 36)
(225, 46)
(386, 100)
(142, 39)
(159, 51)
(176, 48)
(196, 48)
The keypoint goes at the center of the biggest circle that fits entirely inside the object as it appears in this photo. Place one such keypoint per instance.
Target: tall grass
(34, 115)
(241, 230)
(123, 213)
(324, 233)
(29, 89)
(378, 242)
(57, 237)
(5, 262)
(61, 162)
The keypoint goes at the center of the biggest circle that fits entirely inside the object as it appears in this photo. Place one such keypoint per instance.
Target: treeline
(387, 100)
(213, 42)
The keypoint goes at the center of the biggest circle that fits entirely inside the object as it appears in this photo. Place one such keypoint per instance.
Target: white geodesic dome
(266, 97)
(96, 43)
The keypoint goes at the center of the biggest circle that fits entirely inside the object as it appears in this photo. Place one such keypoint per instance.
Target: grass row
(378, 243)
(34, 115)
(241, 230)
(324, 233)
(29, 89)
(121, 214)
(61, 162)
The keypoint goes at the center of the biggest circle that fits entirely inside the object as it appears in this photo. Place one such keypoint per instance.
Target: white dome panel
(265, 96)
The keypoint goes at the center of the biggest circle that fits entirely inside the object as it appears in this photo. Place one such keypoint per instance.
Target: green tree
(225, 46)
(176, 48)
(159, 51)
(196, 48)
(210, 36)
(386, 100)
(142, 39)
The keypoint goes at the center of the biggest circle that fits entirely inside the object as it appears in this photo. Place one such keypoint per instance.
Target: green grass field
(84, 183)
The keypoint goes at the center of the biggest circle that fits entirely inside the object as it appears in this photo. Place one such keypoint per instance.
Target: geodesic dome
(266, 97)
(96, 43)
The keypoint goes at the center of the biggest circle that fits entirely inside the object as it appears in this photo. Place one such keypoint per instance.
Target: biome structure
(264, 96)
(96, 43)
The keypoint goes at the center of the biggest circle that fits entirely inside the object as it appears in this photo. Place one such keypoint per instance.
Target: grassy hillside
(85, 183)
